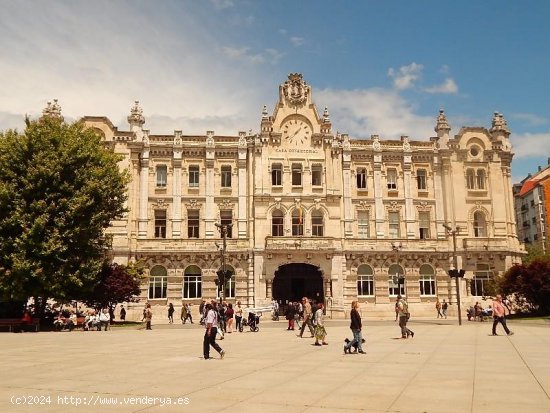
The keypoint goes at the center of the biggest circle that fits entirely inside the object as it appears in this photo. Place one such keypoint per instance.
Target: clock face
(296, 131)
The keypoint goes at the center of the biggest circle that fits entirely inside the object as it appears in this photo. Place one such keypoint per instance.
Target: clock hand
(296, 133)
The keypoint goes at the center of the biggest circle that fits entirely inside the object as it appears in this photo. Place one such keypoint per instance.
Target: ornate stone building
(315, 213)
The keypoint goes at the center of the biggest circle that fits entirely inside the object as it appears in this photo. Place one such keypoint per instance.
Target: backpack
(406, 309)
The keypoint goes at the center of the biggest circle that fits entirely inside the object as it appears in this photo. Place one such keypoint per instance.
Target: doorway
(294, 281)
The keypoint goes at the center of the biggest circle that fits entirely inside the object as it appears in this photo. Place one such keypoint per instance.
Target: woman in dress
(320, 332)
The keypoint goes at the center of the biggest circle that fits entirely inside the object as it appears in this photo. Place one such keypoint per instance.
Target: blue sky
(381, 67)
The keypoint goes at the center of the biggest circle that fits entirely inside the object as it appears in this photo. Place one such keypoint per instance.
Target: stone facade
(314, 212)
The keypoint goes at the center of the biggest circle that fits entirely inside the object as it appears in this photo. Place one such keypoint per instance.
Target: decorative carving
(423, 206)
(376, 142)
(145, 136)
(393, 206)
(499, 123)
(242, 140)
(177, 138)
(160, 204)
(52, 110)
(406, 144)
(193, 204)
(226, 204)
(295, 89)
(136, 115)
(210, 139)
(441, 123)
(326, 116)
(363, 205)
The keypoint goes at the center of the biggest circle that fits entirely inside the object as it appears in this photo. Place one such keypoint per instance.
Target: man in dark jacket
(355, 326)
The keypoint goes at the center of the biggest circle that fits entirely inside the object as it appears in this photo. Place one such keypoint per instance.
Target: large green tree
(60, 188)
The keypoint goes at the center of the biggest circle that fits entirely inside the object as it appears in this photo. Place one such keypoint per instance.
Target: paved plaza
(444, 368)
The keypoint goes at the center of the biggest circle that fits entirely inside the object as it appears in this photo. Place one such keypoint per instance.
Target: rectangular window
(396, 285)
(193, 176)
(317, 225)
(362, 224)
(160, 223)
(277, 225)
(296, 174)
(392, 179)
(482, 276)
(192, 286)
(362, 178)
(193, 223)
(226, 176)
(229, 291)
(157, 287)
(365, 285)
(316, 175)
(424, 225)
(393, 220)
(226, 218)
(421, 180)
(162, 172)
(480, 179)
(277, 174)
(427, 285)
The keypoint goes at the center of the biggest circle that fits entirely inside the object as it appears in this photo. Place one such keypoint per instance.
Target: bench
(19, 324)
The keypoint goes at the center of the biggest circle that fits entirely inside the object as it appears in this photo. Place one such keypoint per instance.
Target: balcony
(485, 244)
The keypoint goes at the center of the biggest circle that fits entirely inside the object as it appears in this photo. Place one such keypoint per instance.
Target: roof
(528, 186)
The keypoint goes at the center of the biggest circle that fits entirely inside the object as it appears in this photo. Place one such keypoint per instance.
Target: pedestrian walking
(308, 315)
(499, 316)
(229, 317)
(104, 320)
(211, 329)
(122, 313)
(355, 326)
(444, 307)
(438, 308)
(171, 313)
(148, 315)
(320, 331)
(290, 314)
(404, 315)
(239, 317)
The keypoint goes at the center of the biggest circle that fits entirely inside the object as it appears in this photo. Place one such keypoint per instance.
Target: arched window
(158, 278)
(480, 179)
(470, 179)
(396, 280)
(277, 226)
(480, 225)
(427, 280)
(317, 225)
(229, 284)
(365, 281)
(192, 282)
(298, 222)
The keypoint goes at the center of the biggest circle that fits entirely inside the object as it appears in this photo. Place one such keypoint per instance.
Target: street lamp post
(399, 277)
(456, 273)
(222, 274)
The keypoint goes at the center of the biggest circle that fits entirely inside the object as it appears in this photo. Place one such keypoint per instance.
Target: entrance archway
(294, 281)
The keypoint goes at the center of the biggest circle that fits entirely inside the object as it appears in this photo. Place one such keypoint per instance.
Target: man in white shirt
(211, 324)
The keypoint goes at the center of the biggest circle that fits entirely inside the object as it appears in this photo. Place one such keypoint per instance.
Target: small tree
(528, 286)
(117, 284)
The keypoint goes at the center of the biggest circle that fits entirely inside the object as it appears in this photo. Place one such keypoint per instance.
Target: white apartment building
(314, 213)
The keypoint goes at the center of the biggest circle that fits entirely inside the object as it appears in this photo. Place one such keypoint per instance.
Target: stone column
(143, 218)
(242, 188)
(176, 189)
(210, 212)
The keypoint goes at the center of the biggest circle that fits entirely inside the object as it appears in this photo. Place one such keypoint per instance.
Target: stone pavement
(444, 368)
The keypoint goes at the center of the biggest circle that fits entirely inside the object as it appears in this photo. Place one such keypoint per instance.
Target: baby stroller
(252, 322)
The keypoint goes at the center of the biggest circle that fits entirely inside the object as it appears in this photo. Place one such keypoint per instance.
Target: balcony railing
(300, 243)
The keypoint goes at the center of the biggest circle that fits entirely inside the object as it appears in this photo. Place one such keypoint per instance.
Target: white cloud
(530, 119)
(297, 41)
(167, 59)
(362, 113)
(449, 87)
(531, 145)
(405, 76)
(222, 4)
